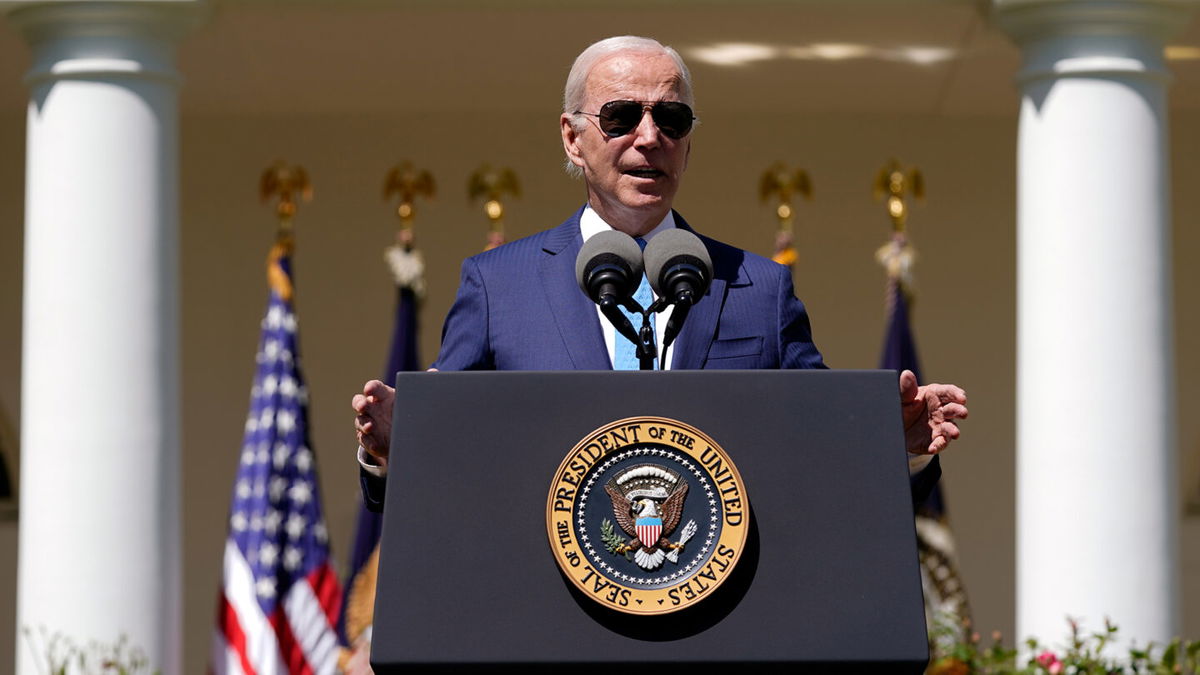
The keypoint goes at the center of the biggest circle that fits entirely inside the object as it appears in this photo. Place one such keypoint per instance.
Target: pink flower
(1050, 662)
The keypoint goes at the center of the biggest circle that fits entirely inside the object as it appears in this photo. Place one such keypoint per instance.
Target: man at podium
(626, 129)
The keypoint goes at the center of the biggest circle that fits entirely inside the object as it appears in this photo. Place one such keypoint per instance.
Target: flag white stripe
(262, 647)
(311, 628)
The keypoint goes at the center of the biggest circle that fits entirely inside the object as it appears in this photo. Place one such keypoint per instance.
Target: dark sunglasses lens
(618, 118)
(673, 118)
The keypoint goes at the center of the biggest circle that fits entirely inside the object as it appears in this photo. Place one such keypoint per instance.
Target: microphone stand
(678, 315)
(683, 304)
(644, 339)
(646, 350)
(656, 307)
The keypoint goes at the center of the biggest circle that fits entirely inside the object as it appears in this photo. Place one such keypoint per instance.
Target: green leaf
(1170, 654)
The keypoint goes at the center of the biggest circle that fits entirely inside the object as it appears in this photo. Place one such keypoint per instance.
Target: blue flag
(358, 608)
(945, 597)
(900, 353)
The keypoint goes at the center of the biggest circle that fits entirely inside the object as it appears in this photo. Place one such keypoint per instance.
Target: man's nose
(646, 133)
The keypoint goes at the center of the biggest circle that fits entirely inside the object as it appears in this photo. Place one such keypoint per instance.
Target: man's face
(631, 179)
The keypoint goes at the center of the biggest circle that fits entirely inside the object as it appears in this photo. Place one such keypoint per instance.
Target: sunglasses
(618, 118)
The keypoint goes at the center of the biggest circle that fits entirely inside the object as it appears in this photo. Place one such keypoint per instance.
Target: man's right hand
(374, 418)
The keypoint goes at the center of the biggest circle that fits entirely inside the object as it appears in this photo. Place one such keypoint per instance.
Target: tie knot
(641, 243)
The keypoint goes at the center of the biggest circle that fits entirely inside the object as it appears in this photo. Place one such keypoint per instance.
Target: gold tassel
(277, 278)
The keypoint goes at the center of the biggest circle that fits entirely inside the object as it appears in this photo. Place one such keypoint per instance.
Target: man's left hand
(929, 414)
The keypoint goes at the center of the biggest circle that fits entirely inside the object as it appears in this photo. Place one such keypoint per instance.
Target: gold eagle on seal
(647, 502)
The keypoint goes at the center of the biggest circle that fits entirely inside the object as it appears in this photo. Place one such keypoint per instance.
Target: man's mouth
(644, 172)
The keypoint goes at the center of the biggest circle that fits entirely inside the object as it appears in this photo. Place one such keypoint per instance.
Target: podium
(827, 579)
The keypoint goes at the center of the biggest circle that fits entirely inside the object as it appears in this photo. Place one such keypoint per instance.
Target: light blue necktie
(625, 354)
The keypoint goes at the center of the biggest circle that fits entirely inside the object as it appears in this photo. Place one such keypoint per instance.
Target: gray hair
(576, 89)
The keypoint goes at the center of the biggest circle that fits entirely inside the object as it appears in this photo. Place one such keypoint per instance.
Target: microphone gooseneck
(680, 271)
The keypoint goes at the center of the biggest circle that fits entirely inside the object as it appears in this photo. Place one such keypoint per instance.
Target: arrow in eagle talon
(689, 531)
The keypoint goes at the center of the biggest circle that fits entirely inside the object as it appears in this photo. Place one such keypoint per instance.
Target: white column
(100, 509)
(1096, 434)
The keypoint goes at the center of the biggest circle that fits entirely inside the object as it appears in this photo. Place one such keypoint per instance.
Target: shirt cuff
(376, 466)
(916, 463)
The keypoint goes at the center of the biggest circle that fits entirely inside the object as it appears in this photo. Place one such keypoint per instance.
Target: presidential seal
(647, 515)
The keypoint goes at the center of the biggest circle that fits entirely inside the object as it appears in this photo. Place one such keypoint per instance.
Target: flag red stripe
(289, 648)
(231, 628)
(328, 591)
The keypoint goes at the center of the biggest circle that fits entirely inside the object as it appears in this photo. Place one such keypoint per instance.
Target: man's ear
(570, 139)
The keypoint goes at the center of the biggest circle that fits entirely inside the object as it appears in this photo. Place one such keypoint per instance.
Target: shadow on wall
(8, 445)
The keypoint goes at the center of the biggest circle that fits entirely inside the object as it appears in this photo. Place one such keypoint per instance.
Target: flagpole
(947, 610)
(407, 265)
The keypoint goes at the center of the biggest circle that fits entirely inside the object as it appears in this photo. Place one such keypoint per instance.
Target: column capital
(37, 19)
(91, 38)
(1105, 38)
(1026, 20)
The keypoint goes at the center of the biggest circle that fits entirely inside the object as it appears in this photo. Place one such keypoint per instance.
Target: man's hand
(929, 413)
(374, 418)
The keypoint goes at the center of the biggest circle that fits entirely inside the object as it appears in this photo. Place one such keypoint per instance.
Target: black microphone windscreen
(609, 245)
(671, 247)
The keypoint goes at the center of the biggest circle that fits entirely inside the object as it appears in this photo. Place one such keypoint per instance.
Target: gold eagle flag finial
(782, 184)
(893, 184)
(288, 184)
(408, 183)
(492, 184)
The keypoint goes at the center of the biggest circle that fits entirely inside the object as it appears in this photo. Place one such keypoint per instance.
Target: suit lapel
(574, 313)
(697, 334)
(701, 326)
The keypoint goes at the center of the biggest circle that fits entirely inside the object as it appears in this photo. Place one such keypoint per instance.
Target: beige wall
(964, 318)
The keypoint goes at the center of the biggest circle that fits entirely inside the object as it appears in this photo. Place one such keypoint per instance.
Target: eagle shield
(648, 530)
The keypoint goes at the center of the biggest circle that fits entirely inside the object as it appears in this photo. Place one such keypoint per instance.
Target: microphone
(680, 271)
(609, 269)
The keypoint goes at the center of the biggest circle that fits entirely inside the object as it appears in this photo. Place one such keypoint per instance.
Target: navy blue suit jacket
(519, 307)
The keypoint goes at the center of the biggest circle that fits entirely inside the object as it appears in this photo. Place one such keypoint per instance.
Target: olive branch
(611, 540)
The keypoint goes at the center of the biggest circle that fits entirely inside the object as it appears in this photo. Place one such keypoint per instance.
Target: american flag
(280, 598)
